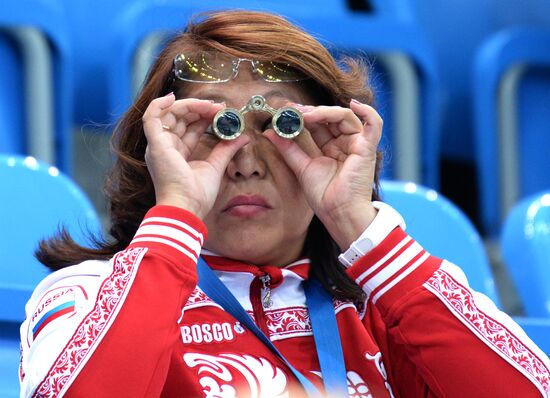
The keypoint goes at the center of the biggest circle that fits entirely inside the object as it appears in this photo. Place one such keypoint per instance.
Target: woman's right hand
(173, 129)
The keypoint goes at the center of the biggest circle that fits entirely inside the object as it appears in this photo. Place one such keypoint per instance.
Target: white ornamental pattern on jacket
(216, 375)
(288, 322)
(460, 300)
(93, 327)
(199, 299)
(357, 387)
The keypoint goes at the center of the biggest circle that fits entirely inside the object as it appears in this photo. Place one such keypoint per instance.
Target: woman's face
(260, 215)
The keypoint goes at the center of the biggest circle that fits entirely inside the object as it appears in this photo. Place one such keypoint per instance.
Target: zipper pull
(266, 299)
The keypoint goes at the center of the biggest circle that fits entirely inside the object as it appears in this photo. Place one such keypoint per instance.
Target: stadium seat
(511, 82)
(443, 230)
(410, 102)
(538, 330)
(36, 200)
(452, 236)
(9, 359)
(36, 81)
(455, 48)
(525, 247)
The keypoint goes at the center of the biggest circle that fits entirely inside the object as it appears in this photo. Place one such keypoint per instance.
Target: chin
(258, 245)
(251, 253)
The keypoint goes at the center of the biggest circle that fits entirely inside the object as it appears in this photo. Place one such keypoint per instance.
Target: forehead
(237, 92)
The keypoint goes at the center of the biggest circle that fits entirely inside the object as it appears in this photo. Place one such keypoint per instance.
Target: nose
(248, 162)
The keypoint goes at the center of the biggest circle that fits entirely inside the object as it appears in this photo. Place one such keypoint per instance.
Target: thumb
(294, 156)
(223, 152)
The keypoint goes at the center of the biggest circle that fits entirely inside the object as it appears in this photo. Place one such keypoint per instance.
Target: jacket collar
(300, 267)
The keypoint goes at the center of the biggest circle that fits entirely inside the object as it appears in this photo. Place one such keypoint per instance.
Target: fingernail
(355, 101)
(169, 94)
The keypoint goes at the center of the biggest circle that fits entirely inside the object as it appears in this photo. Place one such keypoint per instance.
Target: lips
(246, 205)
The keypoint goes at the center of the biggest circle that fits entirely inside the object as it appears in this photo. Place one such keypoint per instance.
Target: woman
(266, 213)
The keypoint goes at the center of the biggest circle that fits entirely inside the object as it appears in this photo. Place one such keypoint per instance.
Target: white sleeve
(53, 313)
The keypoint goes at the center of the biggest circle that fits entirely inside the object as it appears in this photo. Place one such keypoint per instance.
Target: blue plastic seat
(455, 47)
(511, 85)
(36, 199)
(410, 105)
(9, 359)
(525, 247)
(443, 230)
(538, 330)
(36, 81)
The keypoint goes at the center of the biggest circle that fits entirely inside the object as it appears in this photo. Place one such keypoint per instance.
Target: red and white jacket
(138, 326)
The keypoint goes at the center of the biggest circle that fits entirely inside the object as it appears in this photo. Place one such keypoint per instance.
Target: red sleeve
(453, 338)
(122, 346)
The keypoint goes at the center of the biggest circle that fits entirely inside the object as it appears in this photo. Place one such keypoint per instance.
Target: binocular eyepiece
(228, 123)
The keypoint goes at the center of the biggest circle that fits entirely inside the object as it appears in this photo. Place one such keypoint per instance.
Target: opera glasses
(228, 123)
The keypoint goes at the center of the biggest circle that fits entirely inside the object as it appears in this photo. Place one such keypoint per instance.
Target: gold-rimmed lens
(275, 72)
(205, 67)
(288, 122)
(228, 123)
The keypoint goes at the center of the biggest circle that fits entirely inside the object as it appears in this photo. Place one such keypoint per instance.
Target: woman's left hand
(337, 176)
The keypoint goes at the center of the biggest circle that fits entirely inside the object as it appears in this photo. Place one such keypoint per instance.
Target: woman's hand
(173, 129)
(338, 176)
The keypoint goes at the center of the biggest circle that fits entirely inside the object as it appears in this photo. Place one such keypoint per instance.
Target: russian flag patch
(55, 304)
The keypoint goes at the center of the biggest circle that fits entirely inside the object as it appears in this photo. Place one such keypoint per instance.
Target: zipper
(266, 291)
(260, 297)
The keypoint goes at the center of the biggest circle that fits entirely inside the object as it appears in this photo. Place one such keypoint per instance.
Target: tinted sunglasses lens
(288, 123)
(228, 124)
(204, 68)
(275, 72)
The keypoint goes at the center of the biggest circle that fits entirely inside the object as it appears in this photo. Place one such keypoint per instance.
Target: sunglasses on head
(216, 67)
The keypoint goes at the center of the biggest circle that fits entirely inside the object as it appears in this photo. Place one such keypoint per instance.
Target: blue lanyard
(323, 323)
